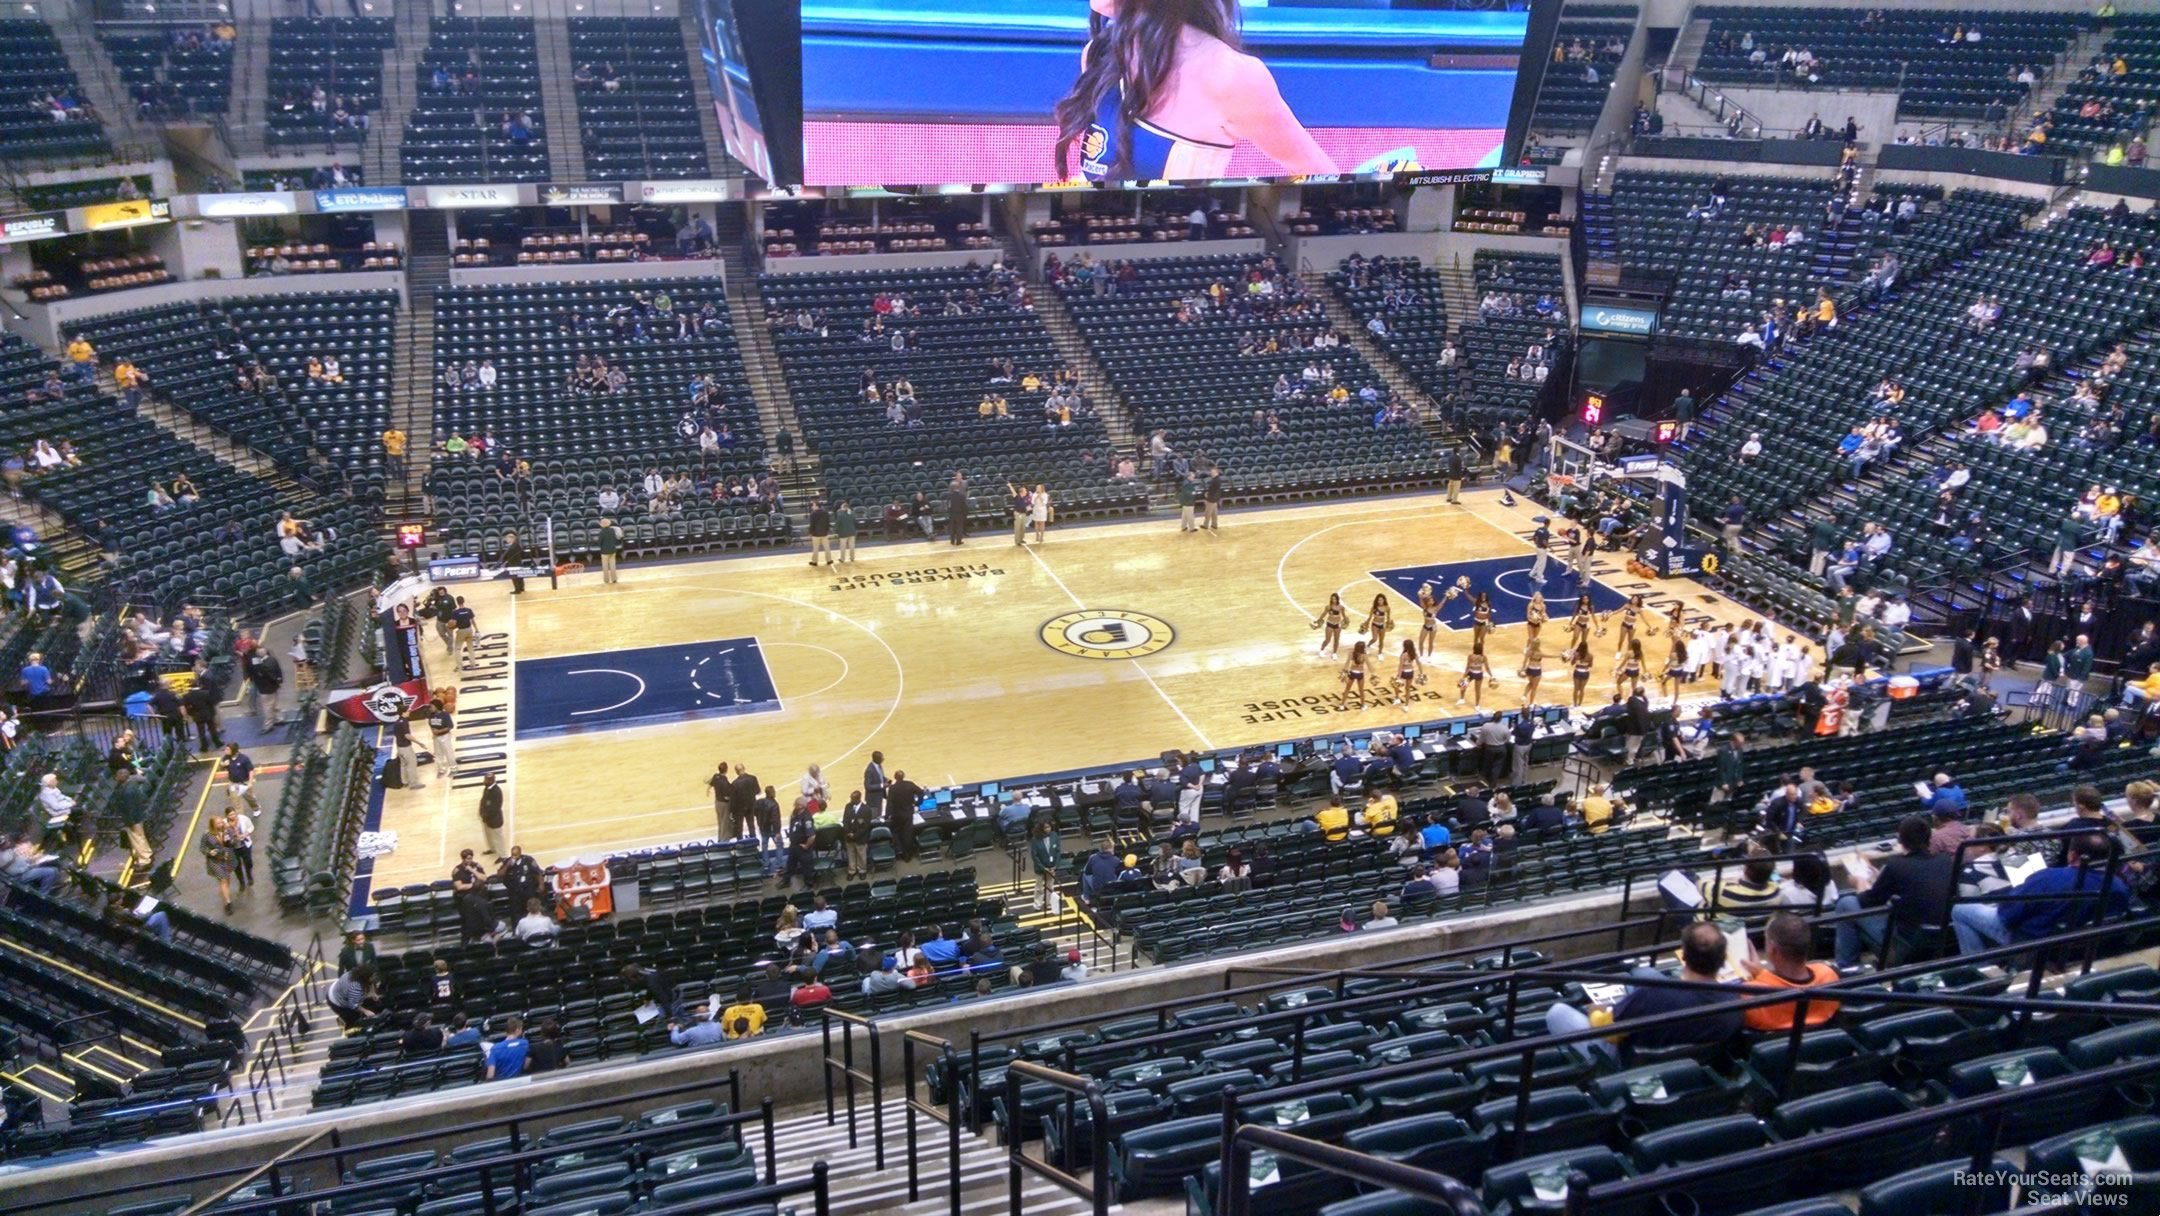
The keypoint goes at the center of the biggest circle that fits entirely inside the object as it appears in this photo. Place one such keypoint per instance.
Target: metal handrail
(1432, 1187)
(1096, 1190)
(950, 1117)
(268, 1167)
(845, 1066)
(337, 1154)
(519, 1162)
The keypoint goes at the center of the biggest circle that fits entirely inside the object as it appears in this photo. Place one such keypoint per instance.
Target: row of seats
(1568, 103)
(868, 460)
(343, 57)
(1188, 380)
(637, 107)
(176, 67)
(457, 134)
(38, 73)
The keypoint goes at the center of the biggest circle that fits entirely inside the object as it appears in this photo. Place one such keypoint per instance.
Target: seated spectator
(2076, 893)
(1702, 956)
(536, 928)
(1787, 940)
(1755, 888)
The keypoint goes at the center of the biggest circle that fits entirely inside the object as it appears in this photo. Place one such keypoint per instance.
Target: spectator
(506, 1059)
(1787, 940)
(1920, 880)
(1702, 956)
(1756, 887)
(356, 996)
(2077, 892)
(536, 928)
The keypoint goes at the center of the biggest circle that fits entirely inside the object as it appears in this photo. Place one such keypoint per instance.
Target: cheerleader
(1630, 669)
(1379, 622)
(1675, 677)
(1535, 613)
(1580, 624)
(1533, 669)
(1409, 671)
(1475, 672)
(1630, 621)
(1354, 671)
(1429, 625)
(1330, 622)
(1580, 659)
(1480, 619)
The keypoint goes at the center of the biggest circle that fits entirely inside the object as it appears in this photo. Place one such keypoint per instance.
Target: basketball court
(605, 708)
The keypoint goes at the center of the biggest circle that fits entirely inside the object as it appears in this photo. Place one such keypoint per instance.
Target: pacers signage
(1107, 634)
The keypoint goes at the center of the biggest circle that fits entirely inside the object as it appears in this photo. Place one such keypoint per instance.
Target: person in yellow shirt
(2121, 67)
(745, 1019)
(1825, 307)
(82, 359)
(1597, 809)
(393, 446)
(1380, 814)
(1334, 819)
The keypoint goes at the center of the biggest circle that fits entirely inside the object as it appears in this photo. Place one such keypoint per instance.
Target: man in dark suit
(514, 559)
(742, 802)
(901, 799)
(956, 510)
(873, 782)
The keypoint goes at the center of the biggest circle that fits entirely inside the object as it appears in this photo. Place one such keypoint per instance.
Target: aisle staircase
(249, 125)
(558, 100)
(1073, 350)
(400, 64)
(412, 399)
(769, 391)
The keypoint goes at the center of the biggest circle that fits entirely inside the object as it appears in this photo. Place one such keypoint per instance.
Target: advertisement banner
(127, 213)
(581, 195)
(685, 192)
(273, 203)
(361, 198)
(1609, 319)
(382, 703)
(16, 228)
(500, 194)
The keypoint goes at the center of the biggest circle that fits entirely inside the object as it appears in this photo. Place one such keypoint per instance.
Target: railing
(269, 1167)
(1438, 1189)
(950, 1117)
(1845, 991)
(850, 1075)
(1713, 100)
(513, 1126)
(1096, 1188)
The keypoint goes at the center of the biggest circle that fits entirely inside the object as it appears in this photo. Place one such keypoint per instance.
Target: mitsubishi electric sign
(1608, 319)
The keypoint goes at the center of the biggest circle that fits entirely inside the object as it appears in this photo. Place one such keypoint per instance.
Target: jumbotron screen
(1042, 92)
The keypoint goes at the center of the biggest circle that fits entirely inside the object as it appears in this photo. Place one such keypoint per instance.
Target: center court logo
(1107, 634)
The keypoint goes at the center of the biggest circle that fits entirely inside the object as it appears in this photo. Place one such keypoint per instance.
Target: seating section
(1519, 296)
(1410, 299)
(663, 334)
(477, 114)
(717, 949)
(1942, 63)
(320, 177)
(1075, 225)
(44, 114)
(958, 324)
(1590, 37)
(63, 195)
(173, 71)
(794, 230)
(191, 352)
(162, 551)
(1188, 379)
(322, 806)
(637, 109)
(1991, 760)
(2100, 108)
(1924, 342)
(326, 78)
